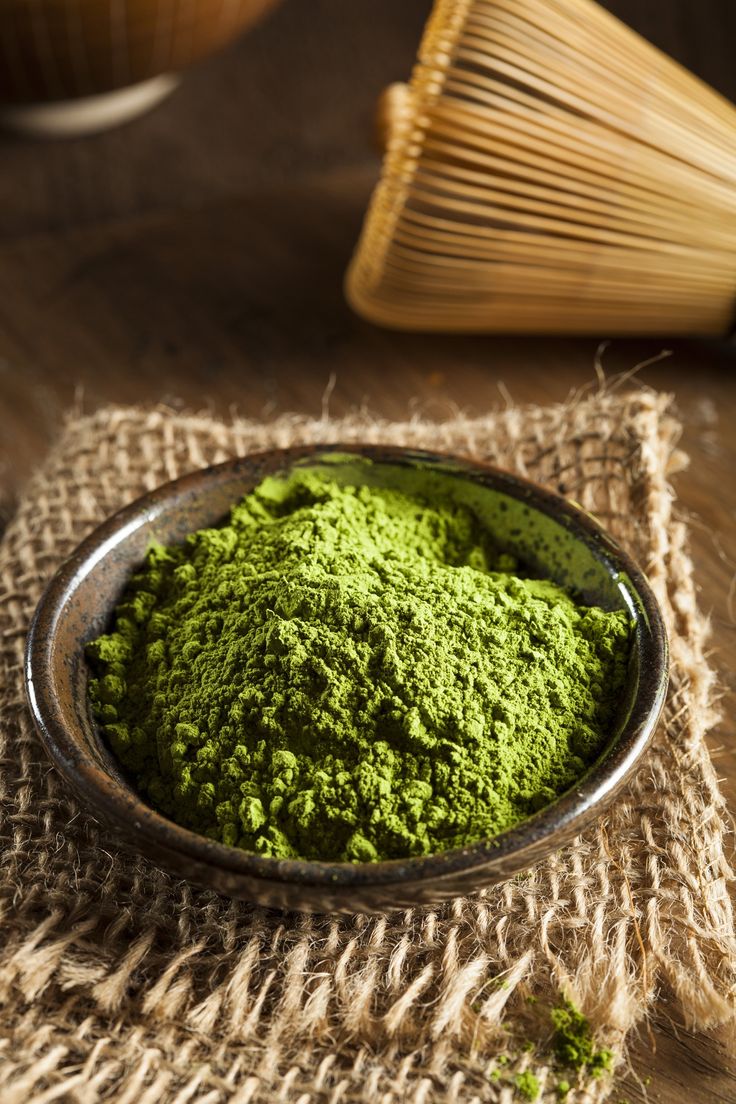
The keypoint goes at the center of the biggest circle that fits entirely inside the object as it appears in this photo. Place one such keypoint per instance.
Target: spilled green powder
(573, 1043)
(352, 673)
(570, 1050)
(527, 1085)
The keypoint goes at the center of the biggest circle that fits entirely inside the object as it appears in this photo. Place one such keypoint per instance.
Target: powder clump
(573, 1043)
(352, 673)
(527, 1085)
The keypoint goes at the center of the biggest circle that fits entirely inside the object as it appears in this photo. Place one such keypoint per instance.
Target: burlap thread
(118, 983)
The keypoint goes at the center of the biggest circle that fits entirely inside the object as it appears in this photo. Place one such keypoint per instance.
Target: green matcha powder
(352, 673)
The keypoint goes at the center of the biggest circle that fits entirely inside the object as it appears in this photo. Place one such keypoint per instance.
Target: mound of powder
(352, 673)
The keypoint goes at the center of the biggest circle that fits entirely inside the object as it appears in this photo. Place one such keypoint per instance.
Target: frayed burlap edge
(118, 983)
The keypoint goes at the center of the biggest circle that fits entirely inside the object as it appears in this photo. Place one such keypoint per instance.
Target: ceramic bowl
(73, 67)
(548, 533)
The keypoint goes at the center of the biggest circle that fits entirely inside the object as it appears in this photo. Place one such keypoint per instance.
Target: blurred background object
(70, 67)
(547, 170)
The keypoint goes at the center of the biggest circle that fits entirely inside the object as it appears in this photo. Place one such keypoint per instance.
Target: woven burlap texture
(120, 984)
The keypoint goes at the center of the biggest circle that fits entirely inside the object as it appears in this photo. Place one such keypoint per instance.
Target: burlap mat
(121, 984)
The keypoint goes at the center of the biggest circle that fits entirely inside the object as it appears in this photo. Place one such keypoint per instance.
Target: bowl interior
(548, 535)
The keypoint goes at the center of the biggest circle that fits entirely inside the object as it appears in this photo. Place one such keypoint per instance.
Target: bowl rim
(564, 818)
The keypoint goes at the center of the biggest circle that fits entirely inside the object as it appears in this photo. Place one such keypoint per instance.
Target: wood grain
(197, 258)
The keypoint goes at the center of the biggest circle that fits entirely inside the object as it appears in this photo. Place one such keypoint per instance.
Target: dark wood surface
(196, 257)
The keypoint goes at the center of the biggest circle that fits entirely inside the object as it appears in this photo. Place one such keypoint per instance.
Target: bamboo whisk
(548, 170)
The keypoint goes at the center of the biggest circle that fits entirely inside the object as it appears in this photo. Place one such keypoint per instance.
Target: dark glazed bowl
(548, 533)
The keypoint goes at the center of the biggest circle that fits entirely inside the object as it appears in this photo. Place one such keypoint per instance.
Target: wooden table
(197, 256)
